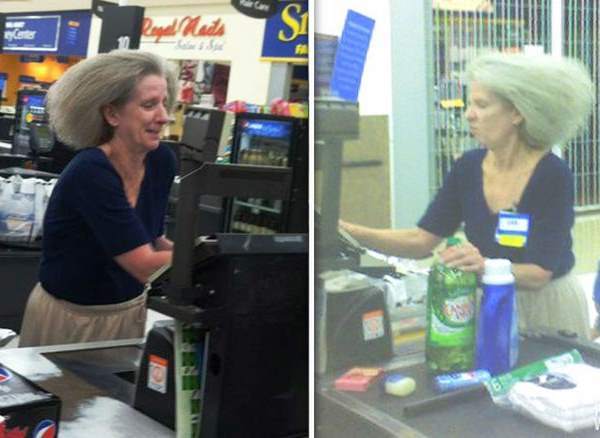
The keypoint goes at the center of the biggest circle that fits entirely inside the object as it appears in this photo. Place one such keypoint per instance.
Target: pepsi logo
(5, 375)
(45, 429)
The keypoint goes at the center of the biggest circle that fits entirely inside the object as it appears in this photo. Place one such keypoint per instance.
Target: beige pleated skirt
(52, 321)
(560, 305)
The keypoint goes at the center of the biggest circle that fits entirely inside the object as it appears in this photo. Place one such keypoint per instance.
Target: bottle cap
(497, 267)
(452, 241)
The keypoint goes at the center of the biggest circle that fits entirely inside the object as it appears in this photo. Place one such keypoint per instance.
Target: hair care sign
(255, 8)
(191, 36)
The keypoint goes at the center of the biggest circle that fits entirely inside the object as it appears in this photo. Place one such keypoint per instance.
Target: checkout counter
(343, 341)
(95, 383)
(468, 413)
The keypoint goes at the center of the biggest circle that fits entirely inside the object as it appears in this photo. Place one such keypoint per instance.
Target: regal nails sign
(187, 37)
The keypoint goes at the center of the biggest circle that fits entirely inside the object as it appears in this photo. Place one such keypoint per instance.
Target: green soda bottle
(451, 302)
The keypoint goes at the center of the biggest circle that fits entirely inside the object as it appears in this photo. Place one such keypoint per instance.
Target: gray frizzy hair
(76, 100)
(554, 95)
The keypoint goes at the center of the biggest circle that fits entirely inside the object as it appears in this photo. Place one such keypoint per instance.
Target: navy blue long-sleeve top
(547, 198)
(89, 221)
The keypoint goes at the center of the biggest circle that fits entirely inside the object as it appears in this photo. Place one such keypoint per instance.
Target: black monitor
(41, 138)
(3, 81)
(204, 130)
(31, 108)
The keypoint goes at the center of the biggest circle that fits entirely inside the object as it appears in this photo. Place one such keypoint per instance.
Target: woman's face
(493, 121)
(139, 122)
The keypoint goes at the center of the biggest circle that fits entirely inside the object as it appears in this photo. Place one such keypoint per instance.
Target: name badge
(512, 229)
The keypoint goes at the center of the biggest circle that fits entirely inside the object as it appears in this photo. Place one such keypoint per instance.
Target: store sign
(286, 33)
(464, 5)
(120, 28)
(193, 35)
(350, 56)
(35, 33)
(64, 34)
(256, 8)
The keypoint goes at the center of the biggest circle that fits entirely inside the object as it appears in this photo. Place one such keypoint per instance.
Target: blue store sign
(39, 33)
(351, 55)
(286, 33)
(66, 33)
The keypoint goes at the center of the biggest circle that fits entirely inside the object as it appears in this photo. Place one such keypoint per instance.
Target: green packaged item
(451, 305)
(500, 386)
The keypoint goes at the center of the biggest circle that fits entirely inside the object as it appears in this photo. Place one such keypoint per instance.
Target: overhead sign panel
(38, 33)
(351, 55)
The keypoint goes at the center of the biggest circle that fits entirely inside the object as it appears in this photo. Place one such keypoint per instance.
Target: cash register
(352, 322)
(247, 297)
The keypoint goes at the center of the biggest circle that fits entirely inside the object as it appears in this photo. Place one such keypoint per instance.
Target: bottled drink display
(451, 305)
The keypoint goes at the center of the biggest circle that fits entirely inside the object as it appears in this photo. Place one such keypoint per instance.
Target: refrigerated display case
(268, 140)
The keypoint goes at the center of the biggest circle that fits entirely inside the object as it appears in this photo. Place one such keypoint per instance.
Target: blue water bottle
(497, 345)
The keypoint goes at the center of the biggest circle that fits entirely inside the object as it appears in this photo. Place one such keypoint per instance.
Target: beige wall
(365, 192)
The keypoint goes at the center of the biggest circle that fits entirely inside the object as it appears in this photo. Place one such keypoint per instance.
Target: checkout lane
(426, 412)
(86, 377)
(374, 413)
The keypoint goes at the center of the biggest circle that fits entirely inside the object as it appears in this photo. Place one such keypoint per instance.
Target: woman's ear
(110, 115)
(517, 118)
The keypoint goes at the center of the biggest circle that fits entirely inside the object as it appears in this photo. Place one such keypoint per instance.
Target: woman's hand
(465, 257)
(346, 226)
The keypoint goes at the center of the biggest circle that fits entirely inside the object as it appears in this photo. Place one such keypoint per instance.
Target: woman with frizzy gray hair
(103, 229)
(519, 107)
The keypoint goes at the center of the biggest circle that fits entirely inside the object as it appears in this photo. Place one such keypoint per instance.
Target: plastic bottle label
(452, 325)
(458, 312)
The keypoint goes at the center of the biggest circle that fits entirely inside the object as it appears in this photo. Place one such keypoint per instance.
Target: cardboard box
(26, 410)
(357, 379)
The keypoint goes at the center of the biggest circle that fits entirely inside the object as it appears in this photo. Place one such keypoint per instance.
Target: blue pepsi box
(26, 410)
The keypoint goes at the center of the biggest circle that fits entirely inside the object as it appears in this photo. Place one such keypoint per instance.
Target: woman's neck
(127, 162)
(514, 155)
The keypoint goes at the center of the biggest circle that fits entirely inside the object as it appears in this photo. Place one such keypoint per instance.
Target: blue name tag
(512, 229)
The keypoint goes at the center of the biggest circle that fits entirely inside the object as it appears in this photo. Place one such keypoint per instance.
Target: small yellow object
(399, 385)
(514, 241)
(452, 103)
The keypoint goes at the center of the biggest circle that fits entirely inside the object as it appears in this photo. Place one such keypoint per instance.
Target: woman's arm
(413, 243)
(142, 261)
(163, 244)
(530, 276)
